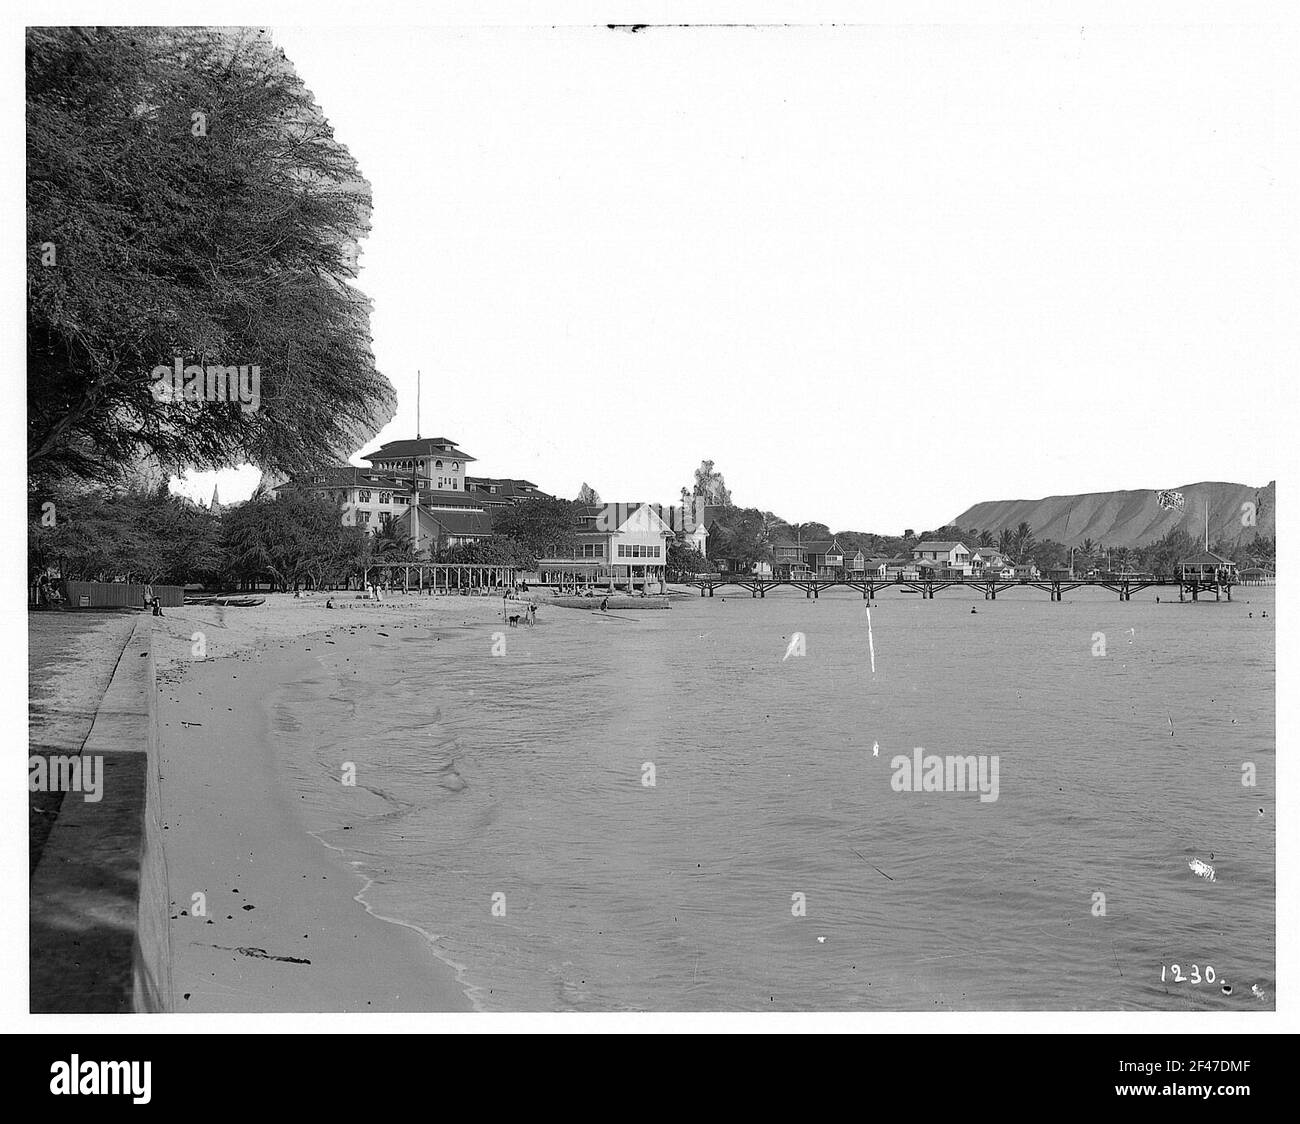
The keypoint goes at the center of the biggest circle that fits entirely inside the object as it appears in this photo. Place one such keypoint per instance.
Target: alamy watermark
(182, 382)
(928, 772)
(67, 774)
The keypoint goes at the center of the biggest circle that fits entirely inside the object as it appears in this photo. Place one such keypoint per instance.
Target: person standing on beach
(532, 615)
(604, 604)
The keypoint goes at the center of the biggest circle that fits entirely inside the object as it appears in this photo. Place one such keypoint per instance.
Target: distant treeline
(745, 536)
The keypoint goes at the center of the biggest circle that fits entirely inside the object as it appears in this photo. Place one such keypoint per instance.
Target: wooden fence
(116, 595)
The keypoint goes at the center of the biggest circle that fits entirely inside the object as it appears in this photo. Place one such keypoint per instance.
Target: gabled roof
(1206, 558)
(629, 516)
(823, 546)
(461, 522)
(938, 545)
(643, 518)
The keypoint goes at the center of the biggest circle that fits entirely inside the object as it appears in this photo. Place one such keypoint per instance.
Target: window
(385, 497)
(455, 466)
(363, 516)
(438, 465)
(363, 496)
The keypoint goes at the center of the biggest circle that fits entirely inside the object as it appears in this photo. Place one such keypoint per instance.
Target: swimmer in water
(972, 608)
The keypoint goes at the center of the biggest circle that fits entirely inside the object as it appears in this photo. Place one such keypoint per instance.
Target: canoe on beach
(614, 602)
(228, 602)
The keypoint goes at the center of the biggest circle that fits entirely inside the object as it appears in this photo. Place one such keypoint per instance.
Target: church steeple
(215, 506)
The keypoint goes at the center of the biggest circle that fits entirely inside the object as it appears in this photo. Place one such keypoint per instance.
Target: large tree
(90, 534)
(710, 486)
(294, 540)
(187, 201)
(491, 551)
(683, 559)
(541, 525)
(741, 535)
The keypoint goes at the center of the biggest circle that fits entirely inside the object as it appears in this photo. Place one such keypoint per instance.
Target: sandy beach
(283, 923)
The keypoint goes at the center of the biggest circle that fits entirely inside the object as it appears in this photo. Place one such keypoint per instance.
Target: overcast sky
(877, 274)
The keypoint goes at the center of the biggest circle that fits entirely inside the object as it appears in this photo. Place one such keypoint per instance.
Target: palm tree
(388, 545)
(986, 538)
(1007, 541)
(1024, 542)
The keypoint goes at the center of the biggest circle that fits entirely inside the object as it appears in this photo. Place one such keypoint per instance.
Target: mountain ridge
(1132, 517)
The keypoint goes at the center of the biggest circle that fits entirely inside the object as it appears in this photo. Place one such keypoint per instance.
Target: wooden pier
(1189, 588)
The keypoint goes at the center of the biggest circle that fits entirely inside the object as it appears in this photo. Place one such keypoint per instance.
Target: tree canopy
(710, 486)
(295, 539)
(187, 201)
(89, 534)
(542, 525)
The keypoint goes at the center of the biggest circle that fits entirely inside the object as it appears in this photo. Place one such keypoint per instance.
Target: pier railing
(927, 587)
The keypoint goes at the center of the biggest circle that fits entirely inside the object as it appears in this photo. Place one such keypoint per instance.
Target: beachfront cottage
(787, 557)
(945, 555)
(825, 557)
(989, 562)
(617, 545)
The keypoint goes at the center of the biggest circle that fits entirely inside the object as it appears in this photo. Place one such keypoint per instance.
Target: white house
(617, 545)
(949, 555)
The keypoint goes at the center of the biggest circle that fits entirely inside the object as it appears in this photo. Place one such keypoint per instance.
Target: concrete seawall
(99, 907)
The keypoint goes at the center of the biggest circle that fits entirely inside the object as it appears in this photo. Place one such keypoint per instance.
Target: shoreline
(237, 830)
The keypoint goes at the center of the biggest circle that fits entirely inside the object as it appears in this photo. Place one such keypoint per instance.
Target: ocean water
(519, 780)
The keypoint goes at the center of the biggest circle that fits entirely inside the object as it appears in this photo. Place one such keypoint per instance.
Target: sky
(877, 274)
